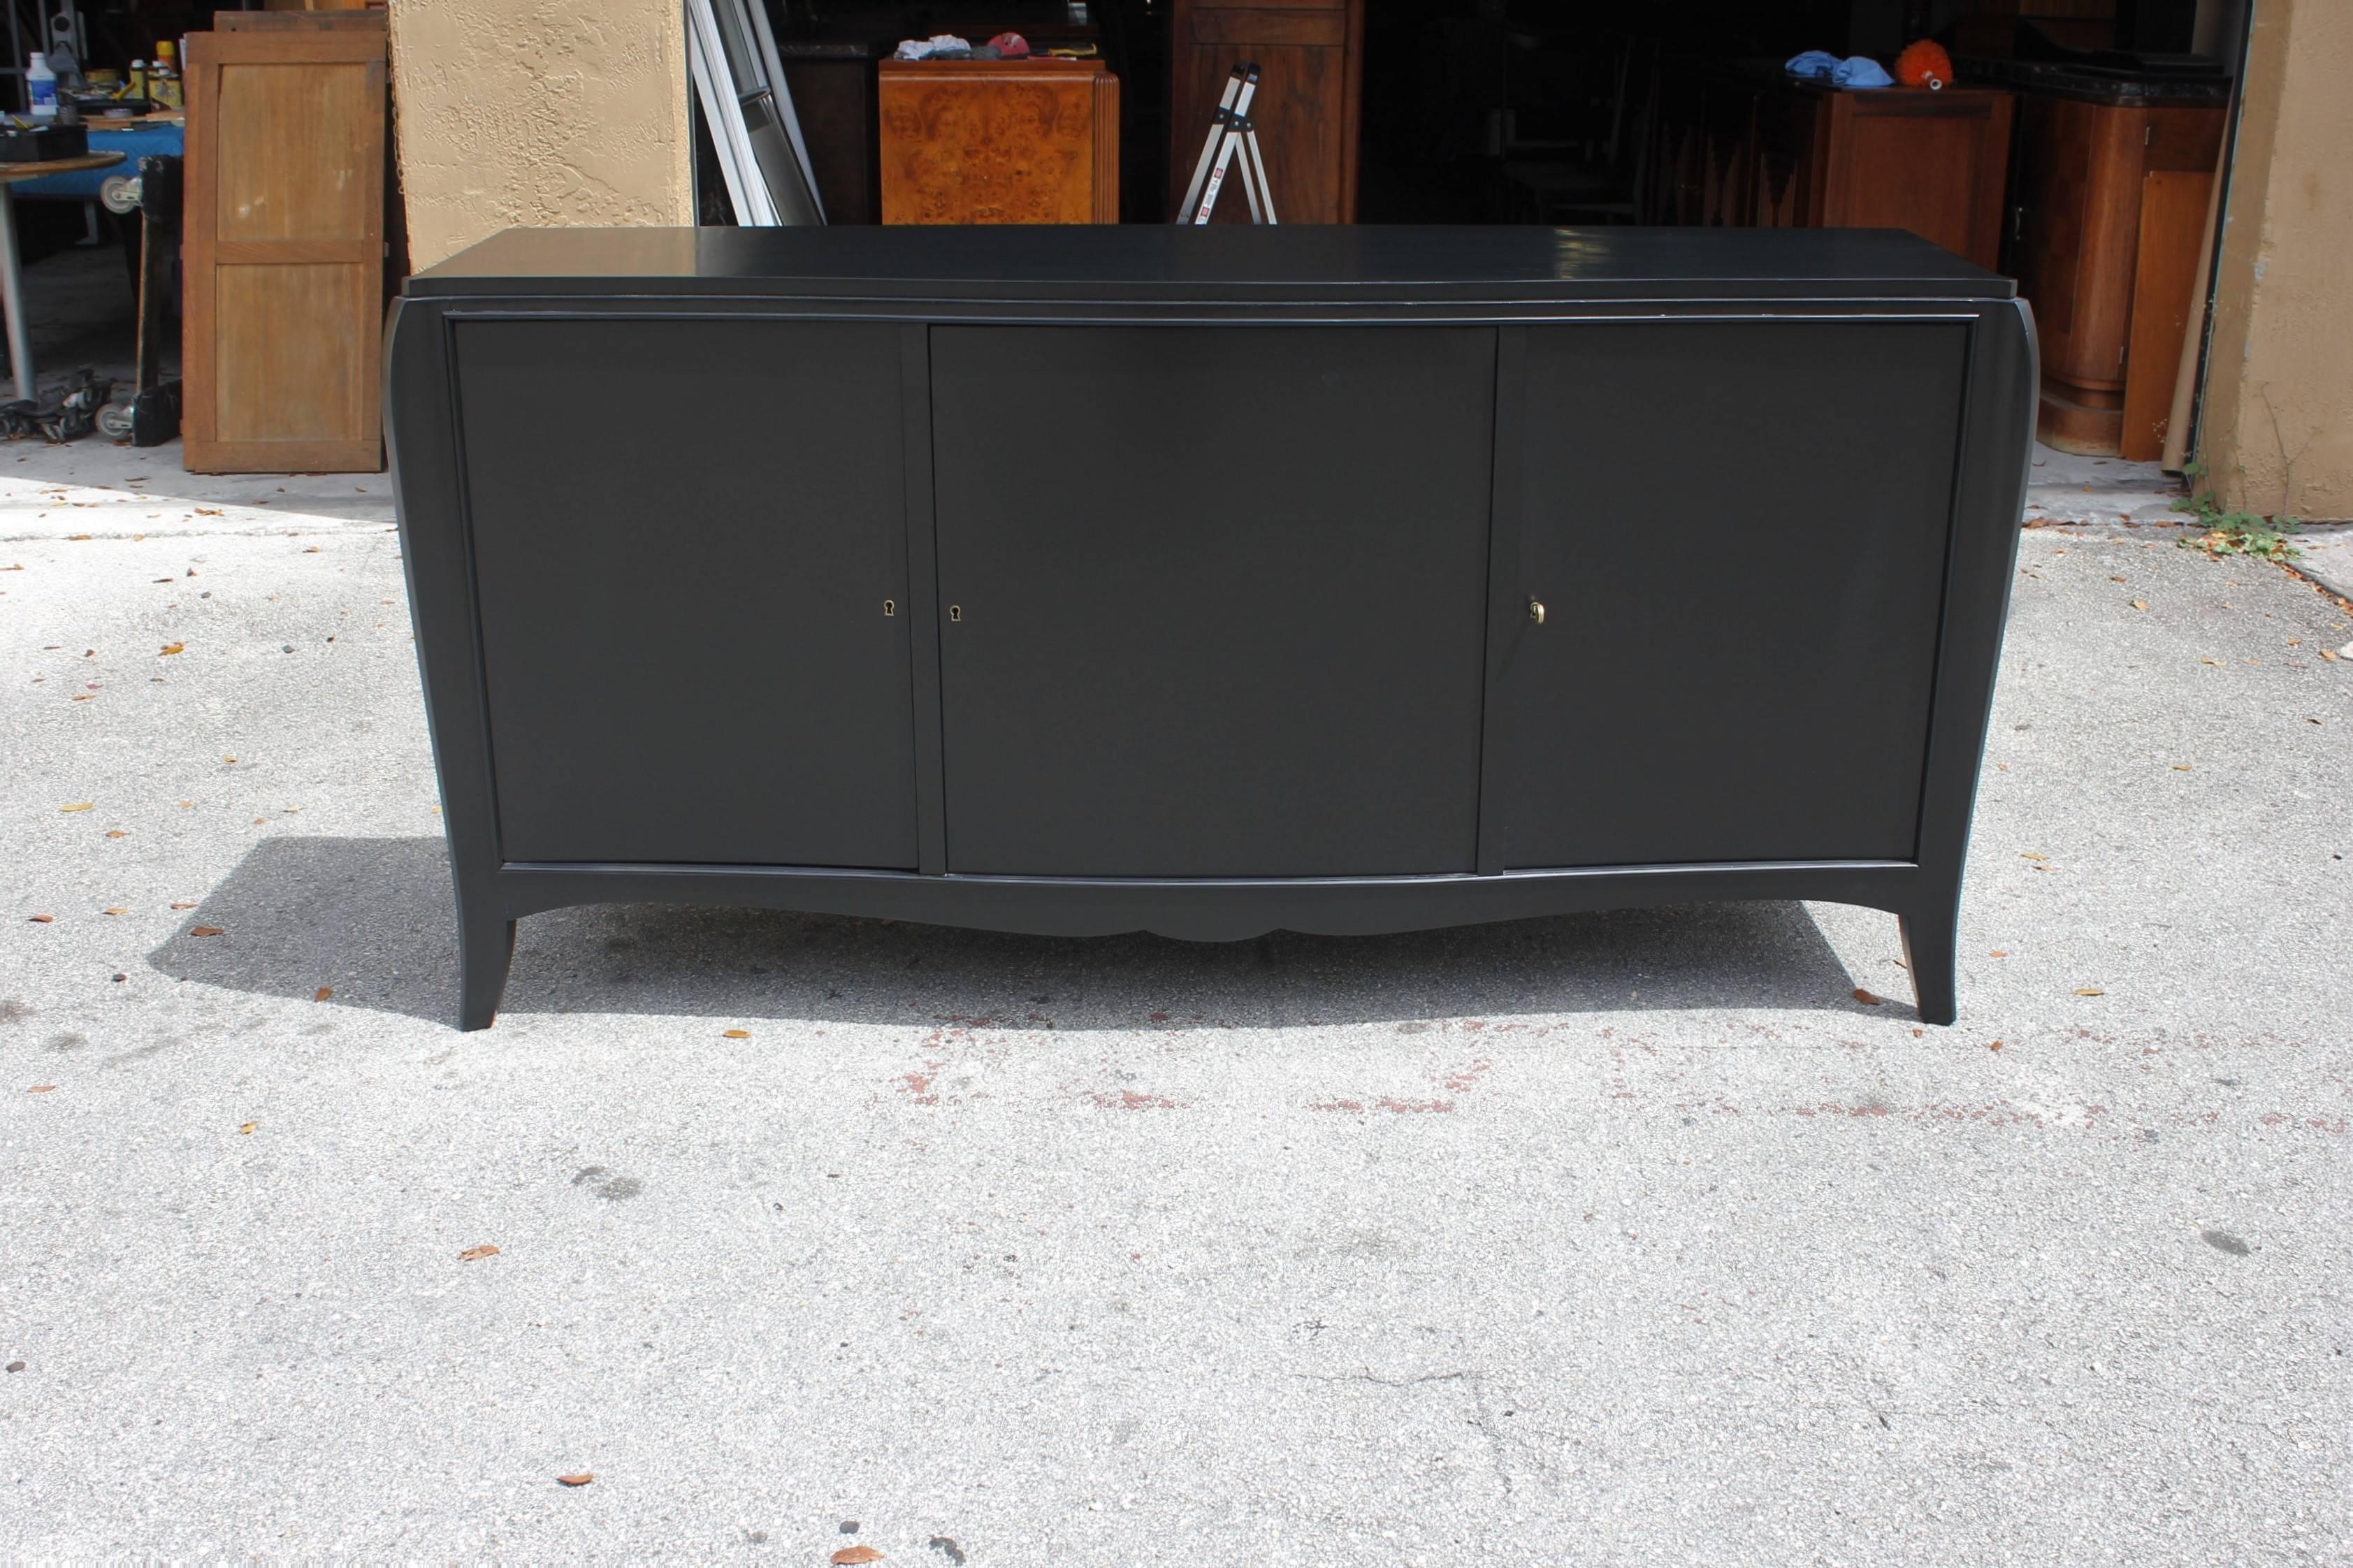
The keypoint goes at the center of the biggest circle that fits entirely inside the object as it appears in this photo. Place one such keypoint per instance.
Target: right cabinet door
(1738, 532)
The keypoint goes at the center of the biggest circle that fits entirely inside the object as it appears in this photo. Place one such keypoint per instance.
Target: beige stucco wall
(2277, 429)
(538, 112)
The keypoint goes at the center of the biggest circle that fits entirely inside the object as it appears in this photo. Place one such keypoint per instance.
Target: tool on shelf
(1232, 133)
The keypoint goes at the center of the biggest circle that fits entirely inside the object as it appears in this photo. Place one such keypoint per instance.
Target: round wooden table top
(12, 173)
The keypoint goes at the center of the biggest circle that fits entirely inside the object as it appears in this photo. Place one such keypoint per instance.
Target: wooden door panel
(287, 375)
(1232, 624)
(284, 250)
(2172, 228)
(690, 552)
(1755, 634)
(314, 119)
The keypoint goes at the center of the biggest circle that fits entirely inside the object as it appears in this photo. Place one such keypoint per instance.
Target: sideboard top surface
(1368, 265)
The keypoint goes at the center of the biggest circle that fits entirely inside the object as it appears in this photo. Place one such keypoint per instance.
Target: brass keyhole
(1536, 611)
(890, 606)
(955, 612)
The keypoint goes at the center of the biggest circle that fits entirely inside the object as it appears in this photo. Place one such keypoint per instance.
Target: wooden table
(12, 286)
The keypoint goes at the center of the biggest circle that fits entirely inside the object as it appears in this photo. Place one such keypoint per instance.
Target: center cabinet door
(1737, 530)
(690, 546)
(1213, 596)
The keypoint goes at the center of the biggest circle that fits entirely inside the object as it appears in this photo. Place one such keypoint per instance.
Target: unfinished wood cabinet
(1310, 59)
(2084, 173)
(1033, 140)
(284, 251)
(1745, 145)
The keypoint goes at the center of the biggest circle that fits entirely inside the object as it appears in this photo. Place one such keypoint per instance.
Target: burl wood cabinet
(998, 141)
(1310, 59)
(1743, 146)
(2109, 193)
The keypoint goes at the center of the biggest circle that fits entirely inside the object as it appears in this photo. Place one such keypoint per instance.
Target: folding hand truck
(1231, 131)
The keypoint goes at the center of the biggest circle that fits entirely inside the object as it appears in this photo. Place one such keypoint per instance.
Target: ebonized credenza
(1208, 581)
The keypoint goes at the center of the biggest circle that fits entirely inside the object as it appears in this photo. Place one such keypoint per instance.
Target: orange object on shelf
(1925, 63)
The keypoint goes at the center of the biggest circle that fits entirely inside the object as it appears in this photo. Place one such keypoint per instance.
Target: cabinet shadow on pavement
(373, 919)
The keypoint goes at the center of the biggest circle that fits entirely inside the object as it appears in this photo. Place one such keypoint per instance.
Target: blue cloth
(1855, 70)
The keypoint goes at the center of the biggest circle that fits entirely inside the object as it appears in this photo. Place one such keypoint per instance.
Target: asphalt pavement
(1622, 1238)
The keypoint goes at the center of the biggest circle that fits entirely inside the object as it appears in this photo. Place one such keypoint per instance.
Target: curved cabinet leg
(1931, 949)
(485, 948)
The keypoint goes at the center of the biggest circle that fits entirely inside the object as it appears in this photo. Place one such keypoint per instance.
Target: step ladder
(1233, 134)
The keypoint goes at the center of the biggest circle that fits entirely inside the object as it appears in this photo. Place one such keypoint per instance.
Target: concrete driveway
(1629, 1238)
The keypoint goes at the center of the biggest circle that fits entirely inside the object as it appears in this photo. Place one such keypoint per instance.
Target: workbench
(1206, 582)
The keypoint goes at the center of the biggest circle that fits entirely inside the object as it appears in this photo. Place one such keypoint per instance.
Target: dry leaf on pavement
(580, 1479)
(114, 911)
(858, 1554)
(323, 993)
(736, 1034)
(248, 1127)
(2089, 991)
(41, 920)
(187, 906)
(1867, 999)
(471, 1253)
(79, 806)
(41, 1089)
(172, 647)
(206, 930)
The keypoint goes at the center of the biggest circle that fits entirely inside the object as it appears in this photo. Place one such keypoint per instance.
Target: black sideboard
(1209, 581)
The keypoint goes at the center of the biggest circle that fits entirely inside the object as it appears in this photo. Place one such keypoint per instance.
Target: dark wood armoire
(1311, 60)
(1746, 145)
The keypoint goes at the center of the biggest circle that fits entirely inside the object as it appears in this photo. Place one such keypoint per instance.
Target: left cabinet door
(690, 563)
